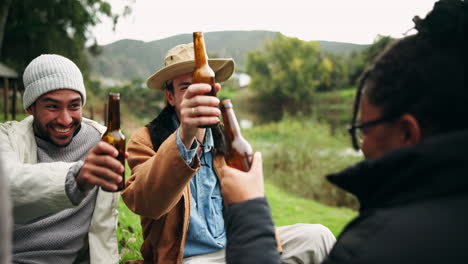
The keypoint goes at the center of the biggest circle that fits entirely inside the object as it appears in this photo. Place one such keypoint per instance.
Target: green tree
(340, 74)
(4, 8)
(50, 26)
(285, 75)
(326, 68)
(138, 101)
(358, 61)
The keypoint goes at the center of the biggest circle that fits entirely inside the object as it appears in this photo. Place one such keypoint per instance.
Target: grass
(335, 107)
(129, 234)
(286, 209)
(298, 153)
(289, 209)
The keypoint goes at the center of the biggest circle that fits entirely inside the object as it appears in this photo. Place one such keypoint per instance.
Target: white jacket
(39, 188)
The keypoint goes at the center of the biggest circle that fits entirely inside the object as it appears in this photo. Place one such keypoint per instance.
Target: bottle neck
(113, 113)
(201, 58)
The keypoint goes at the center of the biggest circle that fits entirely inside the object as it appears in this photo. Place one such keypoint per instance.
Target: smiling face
(57, 116)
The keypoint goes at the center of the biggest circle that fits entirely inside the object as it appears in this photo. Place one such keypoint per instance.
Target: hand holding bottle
(238, 186)
(197, 109)
(101, 168)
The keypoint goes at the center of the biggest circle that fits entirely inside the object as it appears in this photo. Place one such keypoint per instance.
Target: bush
(298, 153)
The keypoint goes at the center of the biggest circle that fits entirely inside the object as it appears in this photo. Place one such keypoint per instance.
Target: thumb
(257, 164)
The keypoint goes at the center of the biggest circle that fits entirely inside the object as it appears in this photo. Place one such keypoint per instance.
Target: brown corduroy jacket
(159, 189)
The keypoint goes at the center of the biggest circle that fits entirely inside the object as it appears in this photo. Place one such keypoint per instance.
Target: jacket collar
(434, 167)
(162, 126)
(165, 124)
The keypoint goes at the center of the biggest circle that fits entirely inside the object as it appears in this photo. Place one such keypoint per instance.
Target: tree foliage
(339, 78)
(285, 75)
(287, 72)
(137, 101)
(50, 26)
(358, 61)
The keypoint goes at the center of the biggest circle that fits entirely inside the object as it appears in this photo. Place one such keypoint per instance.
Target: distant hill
(130, 59)
(334, 47)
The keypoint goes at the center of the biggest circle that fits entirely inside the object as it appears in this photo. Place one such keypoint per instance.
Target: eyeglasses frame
(354, 127)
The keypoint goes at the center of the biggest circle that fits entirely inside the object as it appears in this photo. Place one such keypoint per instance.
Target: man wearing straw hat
(174, 185)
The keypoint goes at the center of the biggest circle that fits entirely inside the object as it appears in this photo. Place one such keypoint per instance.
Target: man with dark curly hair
(410, 121)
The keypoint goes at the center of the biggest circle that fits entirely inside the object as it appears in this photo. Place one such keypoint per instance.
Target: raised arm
(36, 189)
(158, 178)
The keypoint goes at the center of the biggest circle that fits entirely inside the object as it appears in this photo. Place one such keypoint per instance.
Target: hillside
(130, 59)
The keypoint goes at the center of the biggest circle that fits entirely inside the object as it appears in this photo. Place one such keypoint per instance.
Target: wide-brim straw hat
(180, 60)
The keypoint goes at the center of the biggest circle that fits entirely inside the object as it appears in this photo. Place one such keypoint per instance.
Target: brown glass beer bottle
(114, 135)
(239, 152)
(203, 72)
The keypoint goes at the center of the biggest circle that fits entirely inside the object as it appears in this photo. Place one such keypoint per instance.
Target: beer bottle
(203, 72)
(239, 152)
(114, 135)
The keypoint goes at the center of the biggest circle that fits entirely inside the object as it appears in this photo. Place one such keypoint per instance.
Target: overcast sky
(355, 21)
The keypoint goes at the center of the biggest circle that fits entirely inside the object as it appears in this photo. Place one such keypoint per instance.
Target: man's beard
(41, 132)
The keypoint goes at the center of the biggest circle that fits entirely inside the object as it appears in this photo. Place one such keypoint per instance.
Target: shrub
(298, 153)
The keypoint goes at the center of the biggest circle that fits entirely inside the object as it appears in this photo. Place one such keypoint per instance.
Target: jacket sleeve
(158, 178)
(250, 233)
(36, 189)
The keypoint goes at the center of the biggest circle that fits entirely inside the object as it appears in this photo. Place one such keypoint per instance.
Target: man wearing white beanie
(55, 162)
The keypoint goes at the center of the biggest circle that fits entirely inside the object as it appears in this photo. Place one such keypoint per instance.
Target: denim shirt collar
(208, 141)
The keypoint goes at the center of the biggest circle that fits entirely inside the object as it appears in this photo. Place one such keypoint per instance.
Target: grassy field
(129, 234)
(335, 107)
(289, 209)
(286, 209)
(298, 153)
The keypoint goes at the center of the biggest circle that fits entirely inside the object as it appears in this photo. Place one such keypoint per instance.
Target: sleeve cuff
(71, 187)
(187, 155)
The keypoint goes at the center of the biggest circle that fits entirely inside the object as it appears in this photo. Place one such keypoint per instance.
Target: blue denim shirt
(206, 232)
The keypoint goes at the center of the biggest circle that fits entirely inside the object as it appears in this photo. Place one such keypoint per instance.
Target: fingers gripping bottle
(114, 135)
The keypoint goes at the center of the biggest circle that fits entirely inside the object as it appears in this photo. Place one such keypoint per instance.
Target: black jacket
(414, 209)
(250, 233)
(414, 205)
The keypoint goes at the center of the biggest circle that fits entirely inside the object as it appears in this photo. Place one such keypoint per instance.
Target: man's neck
(200, 136)
(76, 150)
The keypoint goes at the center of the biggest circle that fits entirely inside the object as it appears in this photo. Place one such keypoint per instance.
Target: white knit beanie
(51, 72)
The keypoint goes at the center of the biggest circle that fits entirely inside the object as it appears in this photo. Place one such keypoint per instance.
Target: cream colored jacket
(39, 188)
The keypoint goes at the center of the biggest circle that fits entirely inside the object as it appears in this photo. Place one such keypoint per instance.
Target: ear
(30, 109)
(169, 97)
(411, 133)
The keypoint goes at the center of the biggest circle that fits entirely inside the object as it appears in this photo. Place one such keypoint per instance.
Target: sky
(354, 21)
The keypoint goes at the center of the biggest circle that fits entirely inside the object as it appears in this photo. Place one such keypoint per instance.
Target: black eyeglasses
(355, 130)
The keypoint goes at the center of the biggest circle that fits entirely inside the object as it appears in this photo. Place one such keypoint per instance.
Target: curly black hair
(423, 74)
